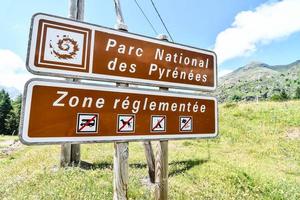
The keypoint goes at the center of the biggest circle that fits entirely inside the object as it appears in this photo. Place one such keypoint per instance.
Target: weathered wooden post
(121, 154)
(161, 171)
(120, 181)
(70, 153)
(161, 160)
(65, 155)
(150, 160)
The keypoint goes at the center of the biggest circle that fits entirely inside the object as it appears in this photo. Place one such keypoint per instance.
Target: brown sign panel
(67, 48)
(59, 112)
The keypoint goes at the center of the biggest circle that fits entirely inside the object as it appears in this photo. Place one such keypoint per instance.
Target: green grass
(251, 159)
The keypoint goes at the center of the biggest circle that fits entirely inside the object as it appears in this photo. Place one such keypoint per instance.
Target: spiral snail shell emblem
(64, 47)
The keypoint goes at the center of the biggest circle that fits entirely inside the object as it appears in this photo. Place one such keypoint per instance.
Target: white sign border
(109, 78)
(25, 114)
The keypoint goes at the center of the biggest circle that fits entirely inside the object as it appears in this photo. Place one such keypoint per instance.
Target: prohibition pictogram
(126, 123)
(87, 123)
(185, 123)
(158, 123)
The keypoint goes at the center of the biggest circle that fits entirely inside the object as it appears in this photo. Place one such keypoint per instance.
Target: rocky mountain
(13, 92)
(259, 81)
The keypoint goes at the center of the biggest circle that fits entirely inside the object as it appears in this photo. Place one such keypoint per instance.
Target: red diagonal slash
(126, 122)
(158, 123)
(87, 123)
(186, 123)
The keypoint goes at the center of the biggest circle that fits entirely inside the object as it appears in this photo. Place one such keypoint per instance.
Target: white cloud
(13, 72)
(266, 23)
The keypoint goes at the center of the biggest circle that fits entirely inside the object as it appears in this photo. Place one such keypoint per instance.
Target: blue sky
(240, 31)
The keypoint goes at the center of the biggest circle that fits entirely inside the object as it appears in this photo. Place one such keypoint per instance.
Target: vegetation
(282, 96)
(261, 81)
(10, 111)
(236, 97)
(5, 107)
(297, 93)
(256, 156)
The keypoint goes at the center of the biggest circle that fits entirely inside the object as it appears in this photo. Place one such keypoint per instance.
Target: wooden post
(161, 161)
(70, 153)
(150, 160)
(161, 168)
(65, 155)
(120, 182)
(147, 144)
(161, 171)
(75, 154)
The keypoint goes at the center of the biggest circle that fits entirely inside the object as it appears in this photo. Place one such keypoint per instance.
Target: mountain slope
(284, 68)
(252, 71)
(259, 80)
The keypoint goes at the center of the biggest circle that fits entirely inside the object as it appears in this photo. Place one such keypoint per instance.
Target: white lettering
(153, 67)
(159, 54)
(57, 102)
(73, 101)
(99, 103)
(110, 43)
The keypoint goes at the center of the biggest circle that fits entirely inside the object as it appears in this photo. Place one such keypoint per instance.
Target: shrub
(276, 97)
(230, 105)
(297, 94)
(284, 95)
(236, 97)
(280, 97)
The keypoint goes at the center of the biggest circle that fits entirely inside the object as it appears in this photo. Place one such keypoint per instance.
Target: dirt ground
(293, 134)
(8, 146)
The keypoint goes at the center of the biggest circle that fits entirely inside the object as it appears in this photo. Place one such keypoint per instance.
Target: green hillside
(259, 80)
(256, 156)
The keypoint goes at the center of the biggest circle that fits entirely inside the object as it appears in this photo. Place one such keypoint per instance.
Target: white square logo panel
(63, 46)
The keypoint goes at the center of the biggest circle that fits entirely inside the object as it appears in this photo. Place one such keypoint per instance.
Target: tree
(297, 95)
(17, 104)
(236, 98)
(5, 108)
(284, 95)
(13, 118)
(11, 123)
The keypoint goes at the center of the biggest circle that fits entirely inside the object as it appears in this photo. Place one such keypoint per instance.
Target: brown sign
(62, 47)
(58, 112)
